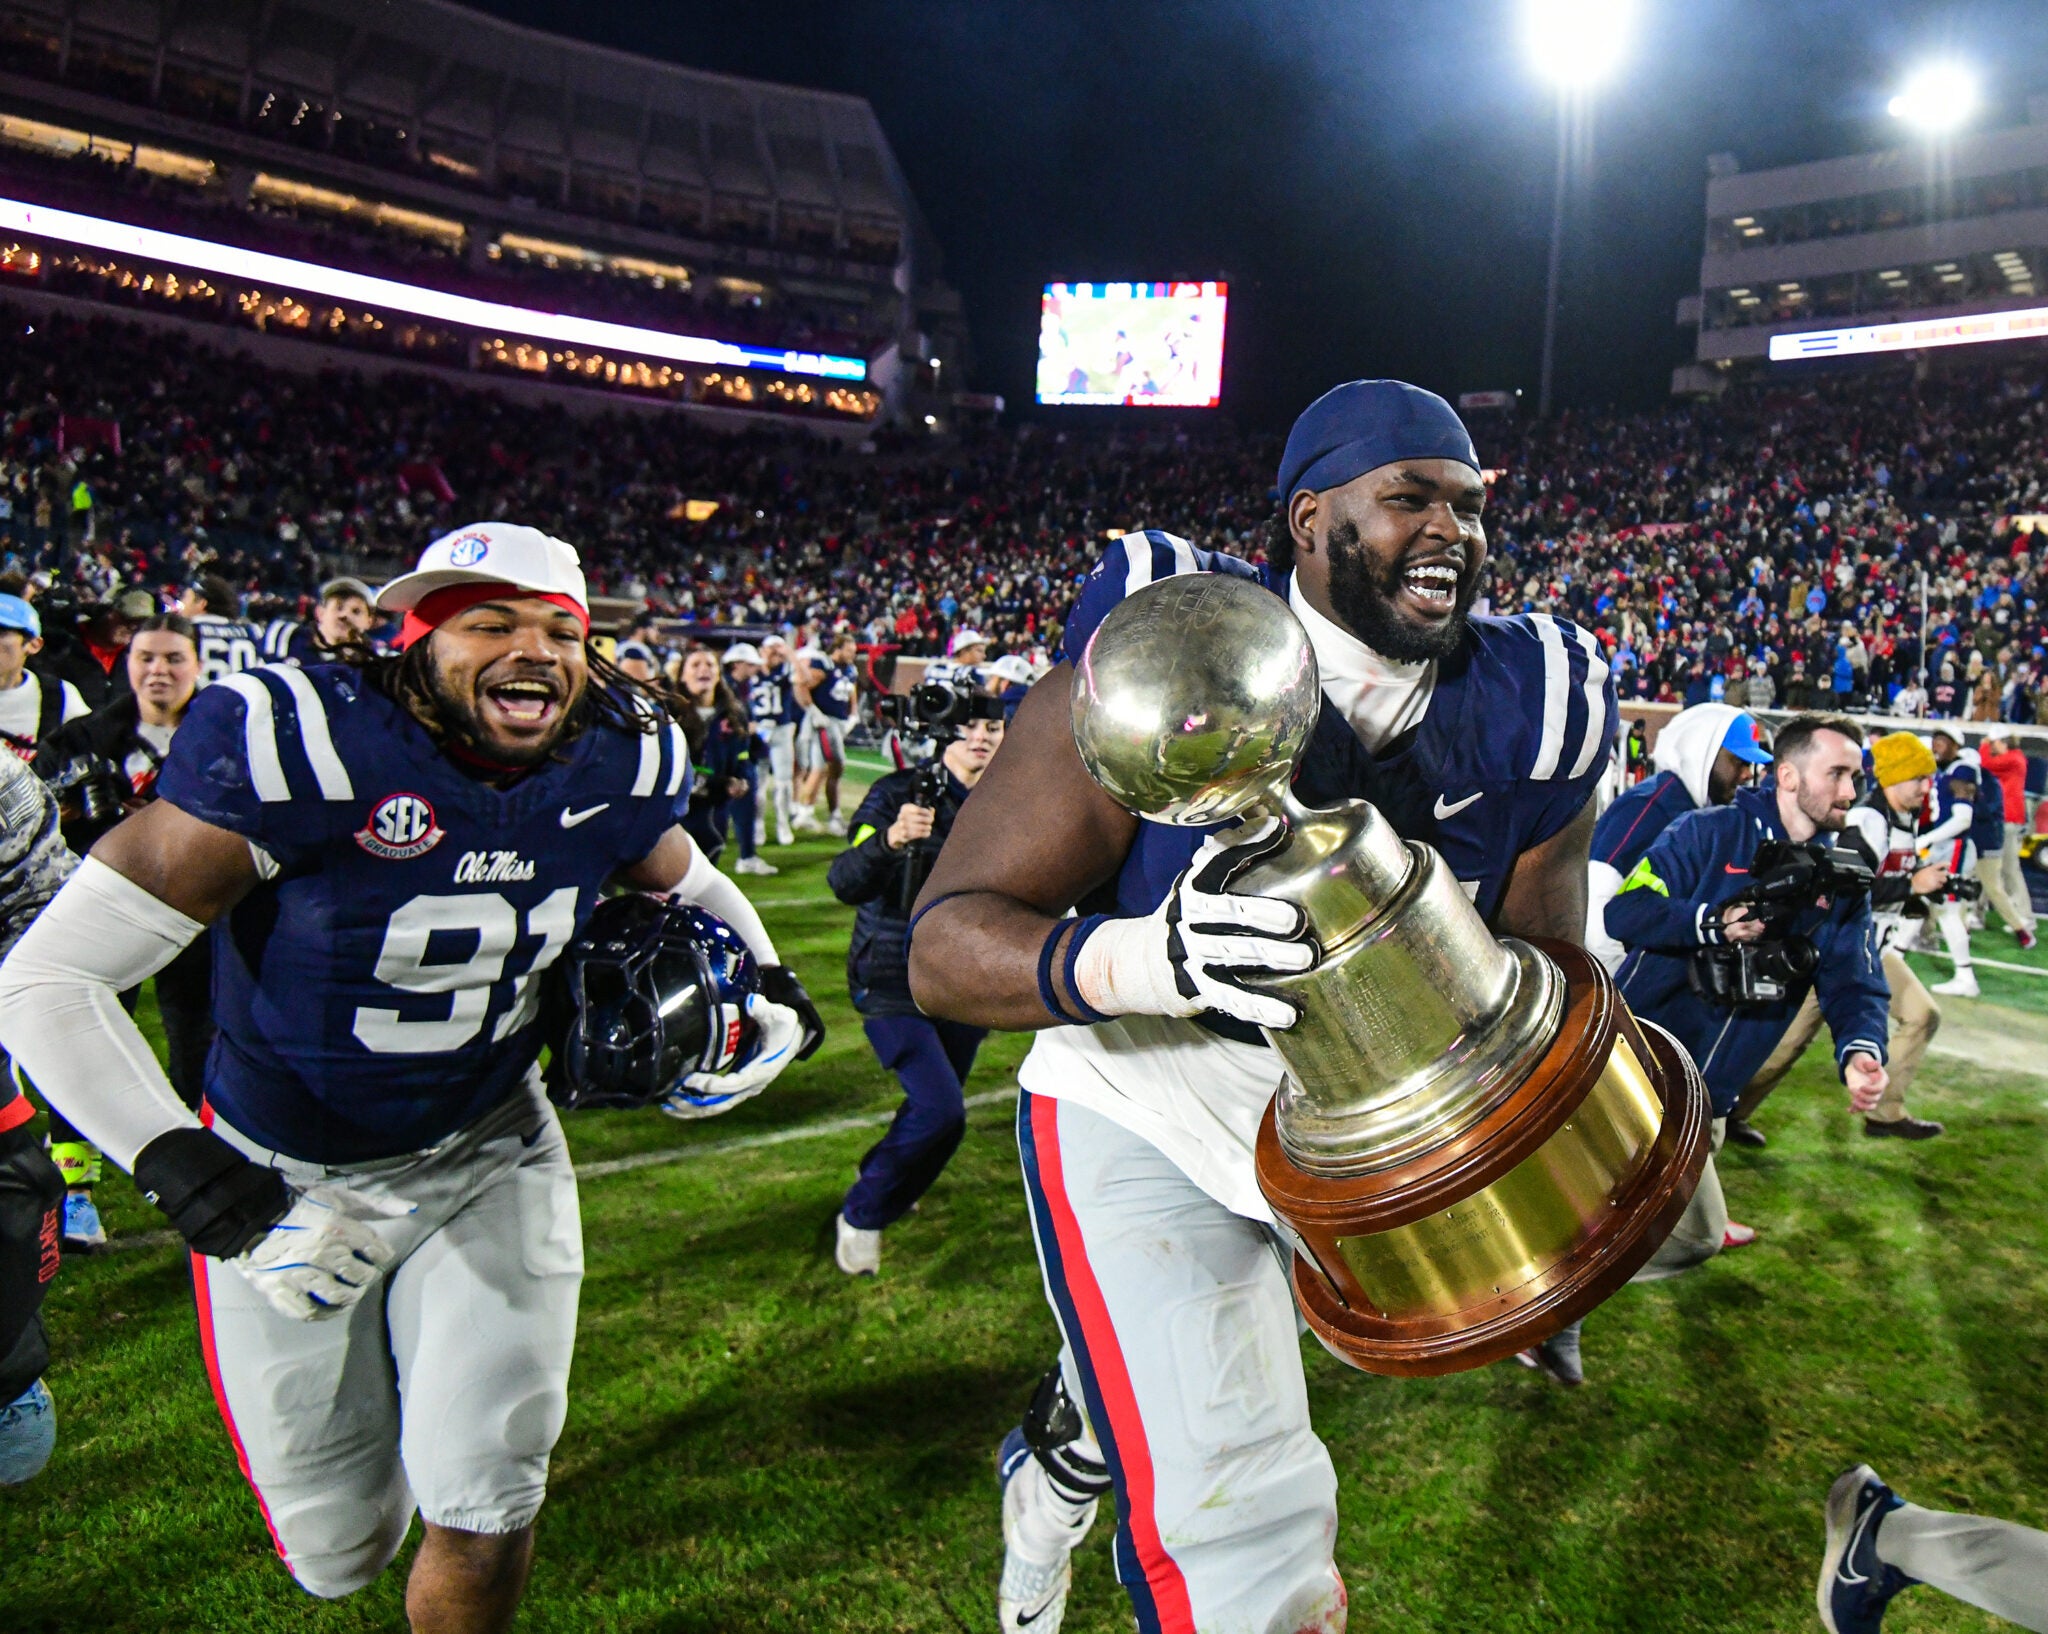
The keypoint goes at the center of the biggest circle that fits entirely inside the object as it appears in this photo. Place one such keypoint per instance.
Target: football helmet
(654, 992)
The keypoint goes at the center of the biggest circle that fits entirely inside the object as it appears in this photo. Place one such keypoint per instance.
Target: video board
(1140, 345)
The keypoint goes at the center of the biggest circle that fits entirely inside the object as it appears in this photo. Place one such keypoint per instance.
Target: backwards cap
(1364, 424)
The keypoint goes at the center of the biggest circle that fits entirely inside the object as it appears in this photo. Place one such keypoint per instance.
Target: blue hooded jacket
(1660, 916)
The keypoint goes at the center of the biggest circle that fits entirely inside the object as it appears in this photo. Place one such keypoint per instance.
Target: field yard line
(774, 1137)
(1988, 964)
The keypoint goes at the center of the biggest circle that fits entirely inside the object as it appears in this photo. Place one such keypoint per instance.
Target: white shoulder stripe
(1138, 557)
(679, 763)
(1183, 553)
(1557, 685)
(649, 772)
(1596, 703)
(266, 770)
(328, 771)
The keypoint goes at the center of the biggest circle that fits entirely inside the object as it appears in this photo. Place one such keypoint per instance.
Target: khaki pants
(1701, 1228)
(2005, 886)
(1914, 1018)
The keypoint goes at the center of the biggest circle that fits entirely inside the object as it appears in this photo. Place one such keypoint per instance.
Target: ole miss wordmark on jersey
(381, 989)
(1516, 734)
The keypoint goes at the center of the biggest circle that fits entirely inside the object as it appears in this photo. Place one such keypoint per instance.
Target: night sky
(1373, 179)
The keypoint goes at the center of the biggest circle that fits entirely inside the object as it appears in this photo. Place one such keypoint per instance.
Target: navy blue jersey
(833, 689)
(1515, 737)
(227, 647)
(1956, 784)
(771, 700)
(379, 992)
(287, 641)
(1630, 826)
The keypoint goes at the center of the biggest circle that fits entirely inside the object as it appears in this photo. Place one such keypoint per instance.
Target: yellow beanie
(1898, 756)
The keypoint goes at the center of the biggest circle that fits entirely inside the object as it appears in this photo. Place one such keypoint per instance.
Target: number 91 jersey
(380, 989)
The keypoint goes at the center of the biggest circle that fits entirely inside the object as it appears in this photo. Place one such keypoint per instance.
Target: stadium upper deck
(448, 150)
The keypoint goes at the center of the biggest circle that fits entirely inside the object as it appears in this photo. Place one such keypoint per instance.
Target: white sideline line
(774, 1137)
(674, 1154)
(1988, 964)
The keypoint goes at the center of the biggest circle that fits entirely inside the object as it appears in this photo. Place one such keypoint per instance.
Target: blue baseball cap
(1363, 424)
(16, 614)
(1744, 739)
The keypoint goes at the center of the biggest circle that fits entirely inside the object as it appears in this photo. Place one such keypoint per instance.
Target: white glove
(706, 1094)
(323, 1255)
(1189, 954)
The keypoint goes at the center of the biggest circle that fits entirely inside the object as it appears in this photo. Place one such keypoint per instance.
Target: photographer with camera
(102, 768)
(1884, 828)
(896, 836)
(31, 708)
(1736, 912)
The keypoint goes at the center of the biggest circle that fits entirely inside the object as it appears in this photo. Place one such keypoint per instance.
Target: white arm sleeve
(1952, 827)
(1603, 884)
(713, 892)
(61, 1015)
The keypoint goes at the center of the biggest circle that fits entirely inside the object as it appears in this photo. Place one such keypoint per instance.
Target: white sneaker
(1962, 985)
(760, 832)
(755, 865)
(784, 837)
(835, 825)
(1041, 1531)
(804, 820)
(859, 1252)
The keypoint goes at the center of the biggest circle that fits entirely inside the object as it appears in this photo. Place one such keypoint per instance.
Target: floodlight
(1577, 43)
(1936, 98)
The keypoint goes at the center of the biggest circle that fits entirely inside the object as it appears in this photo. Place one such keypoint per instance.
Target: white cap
(962, 639)
(781, 641)
(491, 553)
(1012, 668)
(743, 652)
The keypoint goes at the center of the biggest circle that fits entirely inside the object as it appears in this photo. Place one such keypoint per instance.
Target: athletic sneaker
(1902, 1128)
(28, 1435)
(1737, 1235)
(760, 832)
(1557, 1358)
(1962, 985)
(804, 820)
(1041, 1531)
(859, 1252)
(1742, 1133)
(835, 825)
(755, 865)
(1855, 1586)
(2026, 938)
(83, 1233)
(783, 835)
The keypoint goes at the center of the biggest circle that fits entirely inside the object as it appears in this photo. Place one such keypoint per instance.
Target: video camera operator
(1735, 913)
(896, 836)
(1884, 828)
(102, 768)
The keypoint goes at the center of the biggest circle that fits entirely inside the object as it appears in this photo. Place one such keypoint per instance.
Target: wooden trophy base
(1519, 1225)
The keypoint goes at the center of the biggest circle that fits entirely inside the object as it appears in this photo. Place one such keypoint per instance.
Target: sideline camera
(1785, 881)
(930, 716)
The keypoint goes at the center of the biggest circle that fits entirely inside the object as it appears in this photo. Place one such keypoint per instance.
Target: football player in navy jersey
(227, 645)
(340, 626)
(772, 701)
(391, 855)
(828, 686)
(1180, 1386)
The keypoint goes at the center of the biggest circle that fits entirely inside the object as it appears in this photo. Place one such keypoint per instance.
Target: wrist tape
(219, 1201)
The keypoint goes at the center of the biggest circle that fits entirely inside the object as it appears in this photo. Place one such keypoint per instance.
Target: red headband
(437, 607)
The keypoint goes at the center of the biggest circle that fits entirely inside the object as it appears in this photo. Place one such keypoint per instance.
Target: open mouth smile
(523, 705)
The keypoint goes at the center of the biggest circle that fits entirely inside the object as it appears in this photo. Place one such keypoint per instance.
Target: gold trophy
(1475, 1142)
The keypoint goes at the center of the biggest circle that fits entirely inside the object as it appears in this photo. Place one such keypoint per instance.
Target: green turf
(755, 1443)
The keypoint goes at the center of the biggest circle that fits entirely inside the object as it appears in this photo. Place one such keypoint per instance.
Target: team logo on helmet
(400, 826)
(470, 549)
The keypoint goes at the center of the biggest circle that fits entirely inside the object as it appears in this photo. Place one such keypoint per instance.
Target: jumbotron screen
(1145, 345)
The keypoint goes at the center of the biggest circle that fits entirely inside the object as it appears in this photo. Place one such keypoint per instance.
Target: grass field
(756, 1443)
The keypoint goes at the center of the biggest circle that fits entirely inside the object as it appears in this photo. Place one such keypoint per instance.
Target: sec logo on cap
(470, 549)
(400, 826)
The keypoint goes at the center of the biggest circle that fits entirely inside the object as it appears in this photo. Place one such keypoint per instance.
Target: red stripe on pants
(220, 1395)
(1105, 1360)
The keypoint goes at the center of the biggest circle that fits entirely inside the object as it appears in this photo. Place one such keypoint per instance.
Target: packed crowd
(1775, 547)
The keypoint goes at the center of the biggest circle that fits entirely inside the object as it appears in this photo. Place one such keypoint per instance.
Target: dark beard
(1362, 596)
(458, 720)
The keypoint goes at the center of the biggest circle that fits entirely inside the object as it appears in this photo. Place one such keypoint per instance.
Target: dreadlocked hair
(609, 699)
(1279, 543)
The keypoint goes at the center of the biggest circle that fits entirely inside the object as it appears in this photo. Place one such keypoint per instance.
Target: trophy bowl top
(1194, 697)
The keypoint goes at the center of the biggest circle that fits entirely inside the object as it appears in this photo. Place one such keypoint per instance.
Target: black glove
(779, 985)
(219, 1200)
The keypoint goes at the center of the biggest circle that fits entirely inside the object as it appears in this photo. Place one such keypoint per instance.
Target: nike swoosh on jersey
(1451, 808)
(571, 818)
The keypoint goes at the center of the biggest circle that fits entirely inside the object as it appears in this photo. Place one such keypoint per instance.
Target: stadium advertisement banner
(1141, 345)
(311, 278)
(1972, 330)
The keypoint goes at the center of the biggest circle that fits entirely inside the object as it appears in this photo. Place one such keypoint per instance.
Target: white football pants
(1996, 1565)
(445, 1388)
(1182, 1344)
(782, 771)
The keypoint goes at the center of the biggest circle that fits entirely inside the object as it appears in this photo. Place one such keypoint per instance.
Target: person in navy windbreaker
(1671, 905)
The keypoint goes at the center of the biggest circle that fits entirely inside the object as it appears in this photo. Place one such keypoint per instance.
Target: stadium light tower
(1575, 44)
(1937, 98)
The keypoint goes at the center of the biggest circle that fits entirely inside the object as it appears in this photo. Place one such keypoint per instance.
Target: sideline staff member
(1677, 901)
(931, 1059)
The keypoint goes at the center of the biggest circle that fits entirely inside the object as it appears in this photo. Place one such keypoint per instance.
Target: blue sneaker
(83, 1233)
(1855, 1586)
(28, 1435)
